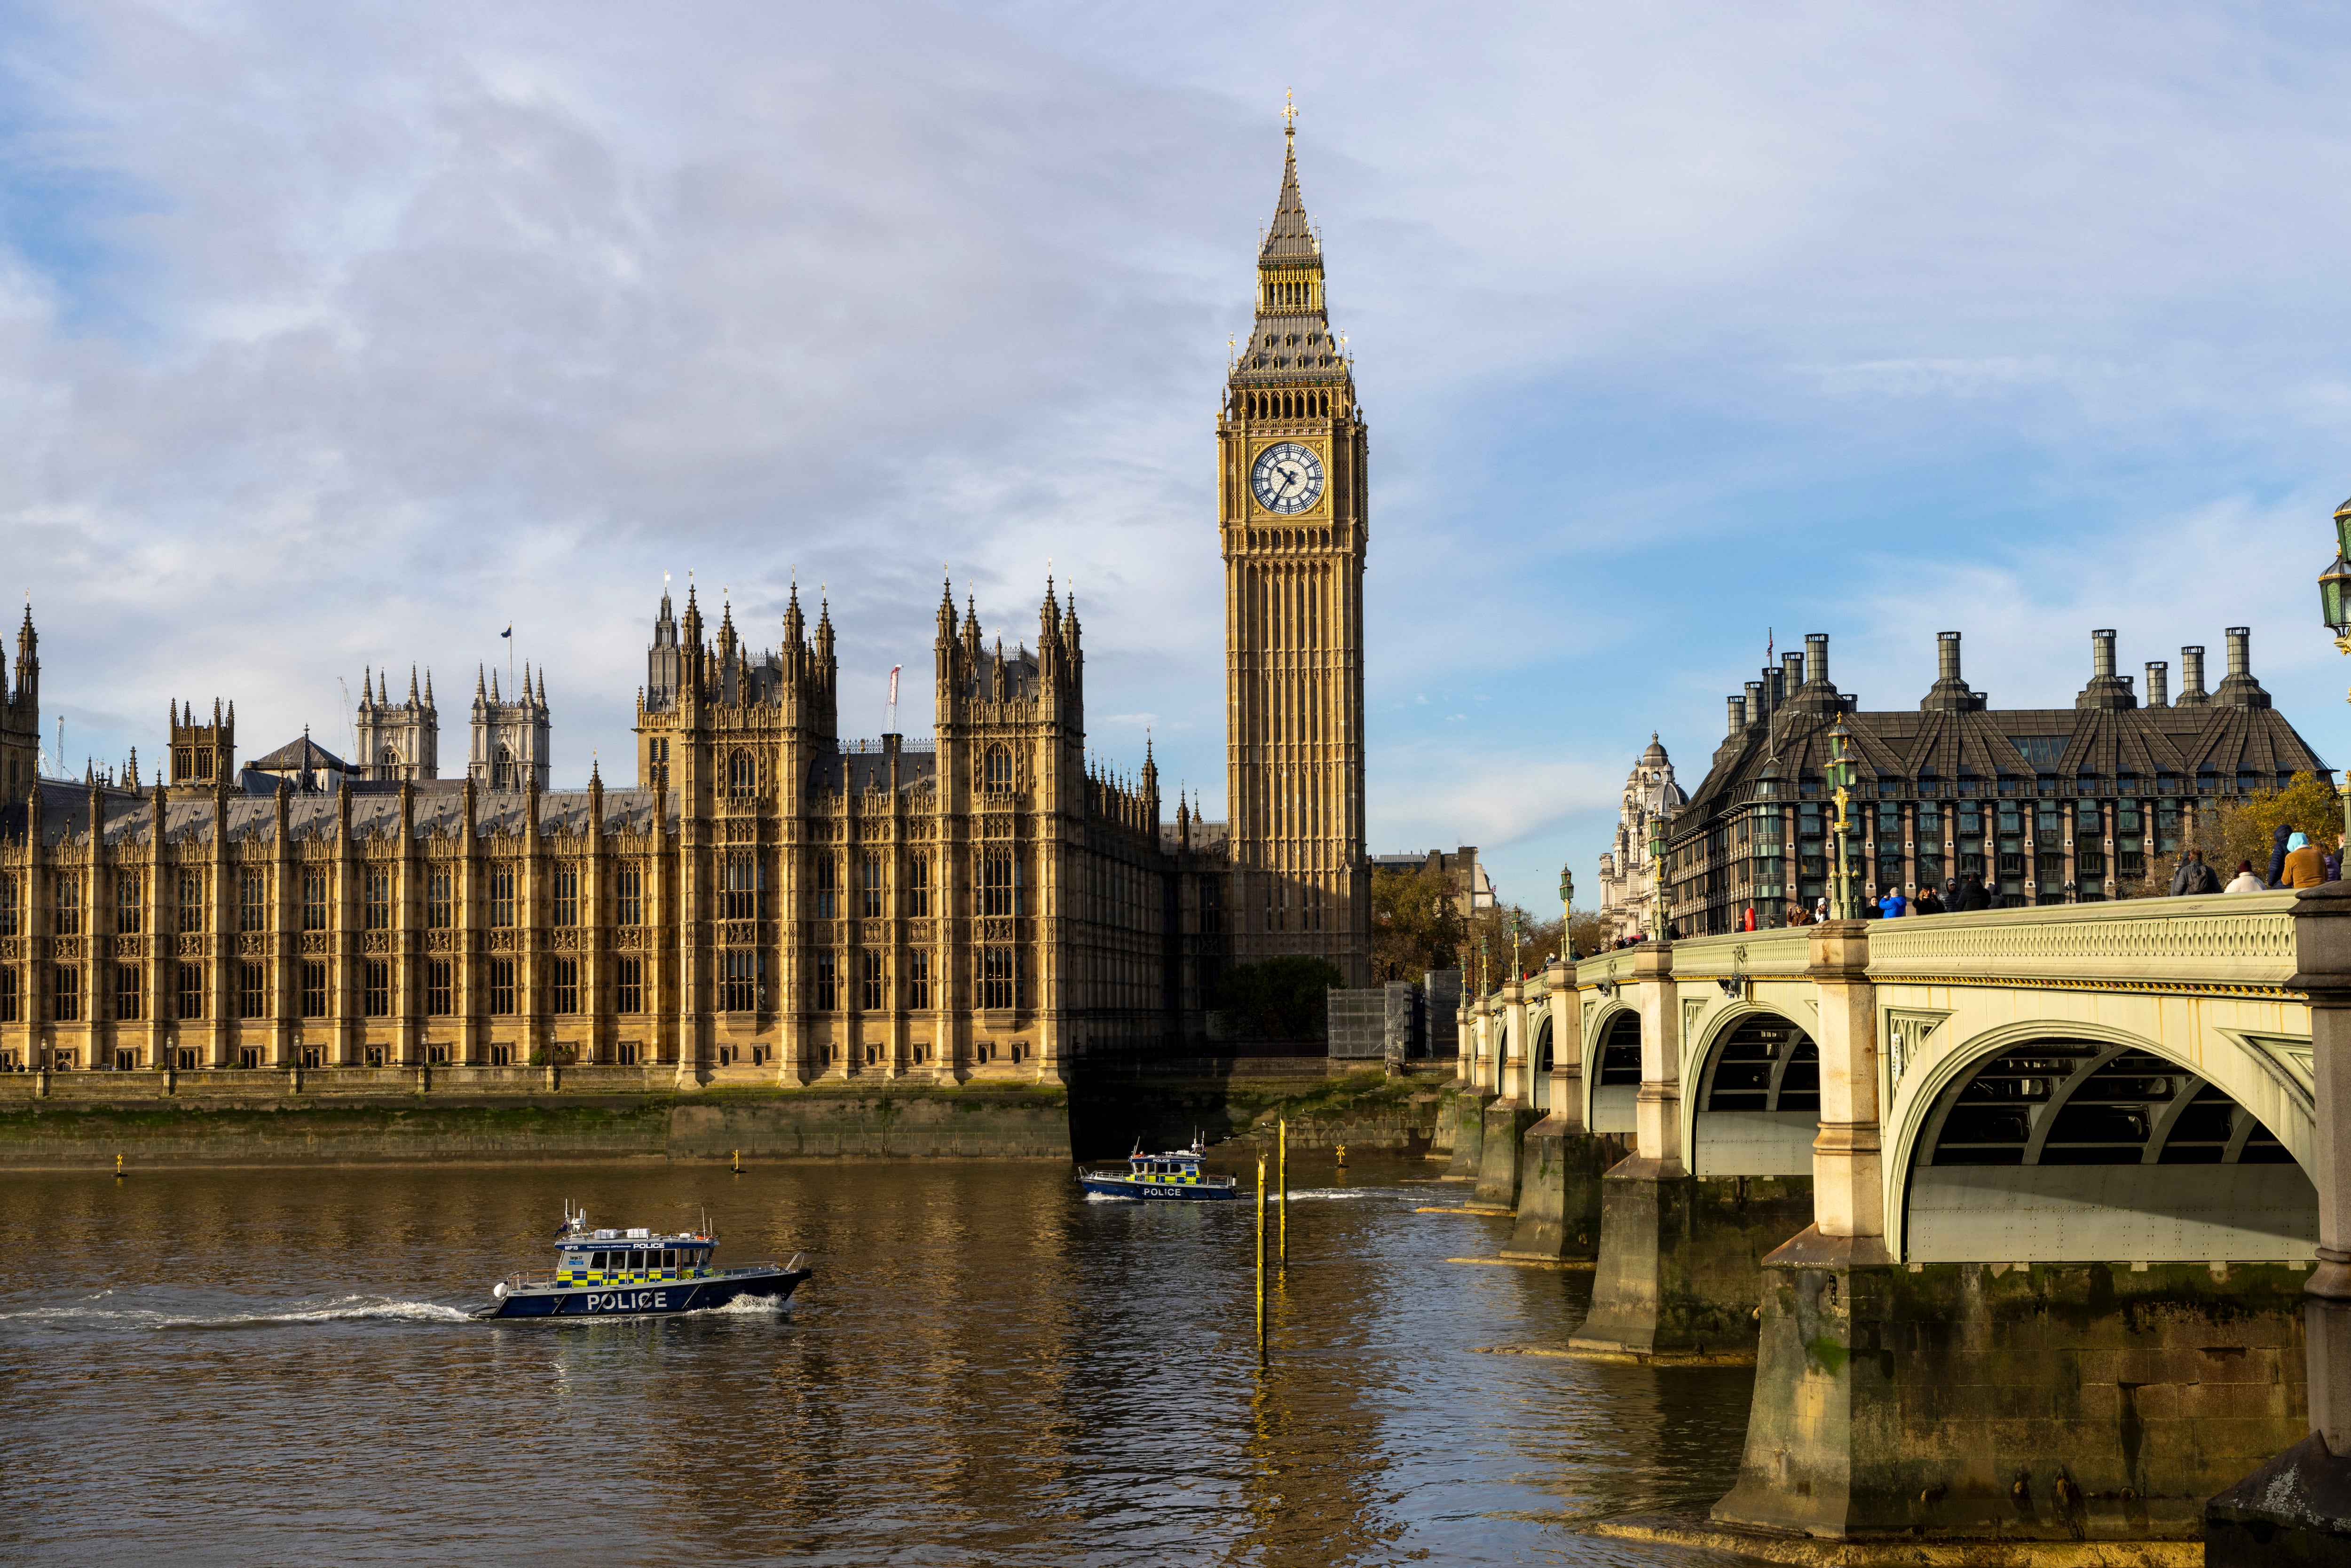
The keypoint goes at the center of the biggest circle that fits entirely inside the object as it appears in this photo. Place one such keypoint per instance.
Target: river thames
(275, 1366)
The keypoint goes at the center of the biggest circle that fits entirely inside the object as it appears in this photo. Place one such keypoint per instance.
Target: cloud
(343, 337)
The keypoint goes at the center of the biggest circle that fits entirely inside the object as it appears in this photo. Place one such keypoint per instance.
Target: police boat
(1175, 1175)
(619, 1273)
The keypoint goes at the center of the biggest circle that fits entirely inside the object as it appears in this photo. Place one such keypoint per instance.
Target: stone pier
(2296, 1508)
(1678, 1275)
(1508, 1115)
(1477, 1091)
(1561, 1163)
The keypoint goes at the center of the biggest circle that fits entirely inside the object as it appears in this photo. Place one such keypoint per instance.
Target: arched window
(742, 773)
(502, 770)
(997, 777)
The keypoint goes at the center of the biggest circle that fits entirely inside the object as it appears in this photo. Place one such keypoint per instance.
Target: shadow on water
(245, 1366)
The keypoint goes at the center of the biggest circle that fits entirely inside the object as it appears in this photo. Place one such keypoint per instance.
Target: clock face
(1287, 477)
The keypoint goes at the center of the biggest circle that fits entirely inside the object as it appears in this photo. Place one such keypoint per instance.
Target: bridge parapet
(2234, 942)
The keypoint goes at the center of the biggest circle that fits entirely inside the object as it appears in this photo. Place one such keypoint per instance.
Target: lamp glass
(2332, 586)
(2342, 529)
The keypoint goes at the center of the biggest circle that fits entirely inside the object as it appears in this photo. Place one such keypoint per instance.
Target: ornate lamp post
(2334, 608)
(1840, 772)
(1657, 875)
(1515, 975)
(1566, 915)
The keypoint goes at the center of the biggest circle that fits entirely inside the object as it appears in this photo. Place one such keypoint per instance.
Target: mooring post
(1261, 1254)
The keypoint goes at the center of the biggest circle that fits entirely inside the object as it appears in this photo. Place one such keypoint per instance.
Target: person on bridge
(1973, 895)
(1893, 907)
(2194, 879)
(2278, 850)
(1928, 902)
(1749, 924)
(2245, 881)
(2304, 866)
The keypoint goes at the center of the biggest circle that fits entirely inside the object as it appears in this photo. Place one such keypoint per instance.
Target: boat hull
(663, 1299)
(1155, 1192)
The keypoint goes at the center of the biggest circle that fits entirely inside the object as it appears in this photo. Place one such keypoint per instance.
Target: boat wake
(95, 1313)
(1332, 1194)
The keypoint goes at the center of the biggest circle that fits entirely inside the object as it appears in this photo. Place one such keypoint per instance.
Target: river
(273, 1366)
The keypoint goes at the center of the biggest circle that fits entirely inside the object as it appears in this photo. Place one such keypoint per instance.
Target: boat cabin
(1178, 1168)
(631, 1257)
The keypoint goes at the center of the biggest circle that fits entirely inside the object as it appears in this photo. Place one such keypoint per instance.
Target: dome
(1656, 756)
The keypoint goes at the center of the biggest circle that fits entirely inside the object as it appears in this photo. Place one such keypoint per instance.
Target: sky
(344, 337)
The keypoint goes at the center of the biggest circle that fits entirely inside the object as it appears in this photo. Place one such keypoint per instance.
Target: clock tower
(1291, 518)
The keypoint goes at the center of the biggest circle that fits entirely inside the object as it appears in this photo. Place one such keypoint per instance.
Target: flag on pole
(509, 631)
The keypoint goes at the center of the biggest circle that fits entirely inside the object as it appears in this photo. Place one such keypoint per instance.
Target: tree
(1279, 998)
(1538, 942)
(1415, 923)
(1590, 931)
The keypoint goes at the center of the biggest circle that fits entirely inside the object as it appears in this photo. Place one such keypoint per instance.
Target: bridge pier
(2297, 1507)
(1476, 1092)
(1507, 1117)
(1678, 1274)
(1561, 1163)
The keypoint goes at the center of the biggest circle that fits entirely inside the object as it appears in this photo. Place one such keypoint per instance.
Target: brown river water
(273, 1366)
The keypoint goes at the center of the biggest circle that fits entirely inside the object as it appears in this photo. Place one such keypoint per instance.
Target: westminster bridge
(2030, 1220)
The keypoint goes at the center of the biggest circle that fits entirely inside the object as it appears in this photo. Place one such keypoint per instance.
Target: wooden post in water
(1260, 1252)
(1283, 1158)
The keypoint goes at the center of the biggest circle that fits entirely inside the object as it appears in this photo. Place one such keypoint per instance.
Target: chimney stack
(1949, 692)
(2106, 691)
(1756, 711)
(1738, 717)
(2238, 689)
(2159, 683)
(1792, 674)
(1816, 657)
(2191, 678)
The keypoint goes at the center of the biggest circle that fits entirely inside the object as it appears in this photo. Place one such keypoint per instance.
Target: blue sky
(340, 337)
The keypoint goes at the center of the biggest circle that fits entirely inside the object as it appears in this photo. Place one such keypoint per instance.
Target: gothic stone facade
(784, 907)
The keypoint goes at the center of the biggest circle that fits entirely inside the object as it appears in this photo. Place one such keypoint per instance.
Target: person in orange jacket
(2304, 866)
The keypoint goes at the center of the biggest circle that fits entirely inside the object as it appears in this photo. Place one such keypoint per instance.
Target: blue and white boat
(622, 1273)
(1176, 1176)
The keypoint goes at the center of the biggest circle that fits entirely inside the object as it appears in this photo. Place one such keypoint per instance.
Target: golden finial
(1289, 114)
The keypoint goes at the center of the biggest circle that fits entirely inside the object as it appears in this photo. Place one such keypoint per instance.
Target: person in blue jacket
(1893, 906)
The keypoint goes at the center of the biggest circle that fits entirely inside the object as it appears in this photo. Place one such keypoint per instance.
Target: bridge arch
(1612, 1076)
(1752, 1101)
(2066, 1139)
(1540, 1061)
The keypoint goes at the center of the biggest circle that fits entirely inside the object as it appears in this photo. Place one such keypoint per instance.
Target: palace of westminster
(770, 901)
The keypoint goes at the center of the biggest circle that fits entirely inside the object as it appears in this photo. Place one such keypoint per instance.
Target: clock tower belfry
(1292, 521)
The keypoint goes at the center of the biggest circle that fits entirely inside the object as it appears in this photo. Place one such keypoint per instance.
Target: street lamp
(1566, 915)
(1514, 947)
(1657, 875)
(2336, 613)
(1841, 774)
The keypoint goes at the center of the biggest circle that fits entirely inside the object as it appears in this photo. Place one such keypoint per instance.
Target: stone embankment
(345, 1118)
